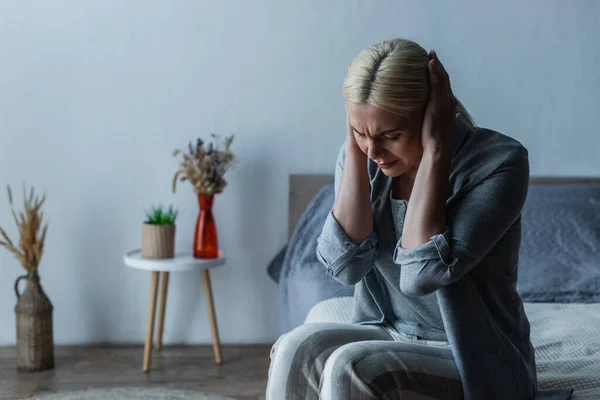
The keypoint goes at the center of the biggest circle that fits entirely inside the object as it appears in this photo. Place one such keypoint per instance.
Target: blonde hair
(393, 76)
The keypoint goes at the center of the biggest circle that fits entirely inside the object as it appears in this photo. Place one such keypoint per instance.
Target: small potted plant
(158, 233)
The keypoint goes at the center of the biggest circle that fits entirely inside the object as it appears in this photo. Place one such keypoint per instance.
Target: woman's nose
(374, 151)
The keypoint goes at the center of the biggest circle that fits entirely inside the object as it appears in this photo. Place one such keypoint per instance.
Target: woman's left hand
(440, 114)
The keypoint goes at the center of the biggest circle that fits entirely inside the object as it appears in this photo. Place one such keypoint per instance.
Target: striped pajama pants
(333, 361)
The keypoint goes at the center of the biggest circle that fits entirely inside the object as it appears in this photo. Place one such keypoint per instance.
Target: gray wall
(94, 96)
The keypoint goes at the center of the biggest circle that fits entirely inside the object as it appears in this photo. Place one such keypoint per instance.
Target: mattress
(565, 337)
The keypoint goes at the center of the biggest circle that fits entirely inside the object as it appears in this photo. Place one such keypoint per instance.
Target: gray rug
(131, 394)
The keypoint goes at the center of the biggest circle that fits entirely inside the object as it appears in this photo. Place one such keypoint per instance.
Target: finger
(433, 81)
(443, 76)
(440, 64)
(439, 61)
(445, 88)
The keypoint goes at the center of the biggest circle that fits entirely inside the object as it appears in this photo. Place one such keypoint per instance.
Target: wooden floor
(243, 375)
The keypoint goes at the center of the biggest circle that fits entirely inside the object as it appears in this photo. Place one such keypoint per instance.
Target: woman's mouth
(387, 165)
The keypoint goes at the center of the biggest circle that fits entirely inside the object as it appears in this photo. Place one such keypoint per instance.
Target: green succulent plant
(158, 215)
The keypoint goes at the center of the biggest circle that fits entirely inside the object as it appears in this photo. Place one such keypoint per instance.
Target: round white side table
(183, 261)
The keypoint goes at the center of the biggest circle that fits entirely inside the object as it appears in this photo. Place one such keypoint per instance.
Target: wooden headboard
(303, 188)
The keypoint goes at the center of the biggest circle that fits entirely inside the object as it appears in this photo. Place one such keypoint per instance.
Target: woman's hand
(426, 211)
(440, 114)
(351, 144)
(352, 207)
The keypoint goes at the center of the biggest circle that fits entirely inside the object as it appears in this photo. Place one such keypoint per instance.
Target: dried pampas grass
(204, 167)
(29, 223)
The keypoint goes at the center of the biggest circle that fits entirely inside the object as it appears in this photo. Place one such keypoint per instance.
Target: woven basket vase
(158, 241)
(35, 344)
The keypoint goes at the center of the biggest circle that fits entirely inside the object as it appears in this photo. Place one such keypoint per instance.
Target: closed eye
(360, 135)
(393, 136)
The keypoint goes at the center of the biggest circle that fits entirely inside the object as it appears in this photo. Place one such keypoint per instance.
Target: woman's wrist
(437, 152)
(426, 211)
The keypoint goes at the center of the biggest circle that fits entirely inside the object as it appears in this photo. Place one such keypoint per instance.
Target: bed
(559, 274)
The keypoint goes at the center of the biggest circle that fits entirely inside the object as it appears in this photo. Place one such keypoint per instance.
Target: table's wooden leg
(162, 304)
(210, 307)
(150, 326)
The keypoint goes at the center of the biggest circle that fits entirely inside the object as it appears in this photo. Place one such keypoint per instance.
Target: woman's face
(393, 142)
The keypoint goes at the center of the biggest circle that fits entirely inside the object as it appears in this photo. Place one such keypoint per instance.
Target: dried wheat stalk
(29, 222)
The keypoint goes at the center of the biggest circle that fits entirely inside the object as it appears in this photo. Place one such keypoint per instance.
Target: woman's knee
(341, 362)
(339, 375)
(371, 369)
(297, 359)
(348, 373)
(307, 338)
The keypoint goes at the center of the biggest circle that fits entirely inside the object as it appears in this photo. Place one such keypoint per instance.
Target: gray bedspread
(559, 260)
(559, 257)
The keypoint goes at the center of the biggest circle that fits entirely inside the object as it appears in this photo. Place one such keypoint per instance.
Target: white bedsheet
(566, 338)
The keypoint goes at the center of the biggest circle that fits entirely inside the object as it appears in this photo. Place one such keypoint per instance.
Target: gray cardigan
(471, 267)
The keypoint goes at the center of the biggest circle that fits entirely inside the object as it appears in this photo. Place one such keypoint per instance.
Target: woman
(426, 224)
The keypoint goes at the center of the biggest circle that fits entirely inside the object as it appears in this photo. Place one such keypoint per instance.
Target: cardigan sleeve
(344, 260)
(475, 224)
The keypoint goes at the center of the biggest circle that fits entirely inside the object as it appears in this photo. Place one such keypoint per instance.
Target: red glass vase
(205, 239)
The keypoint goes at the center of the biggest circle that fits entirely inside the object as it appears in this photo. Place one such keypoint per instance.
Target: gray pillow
(274, 267)
(302, 280)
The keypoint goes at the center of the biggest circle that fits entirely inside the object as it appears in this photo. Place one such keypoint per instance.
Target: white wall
(94, 96)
